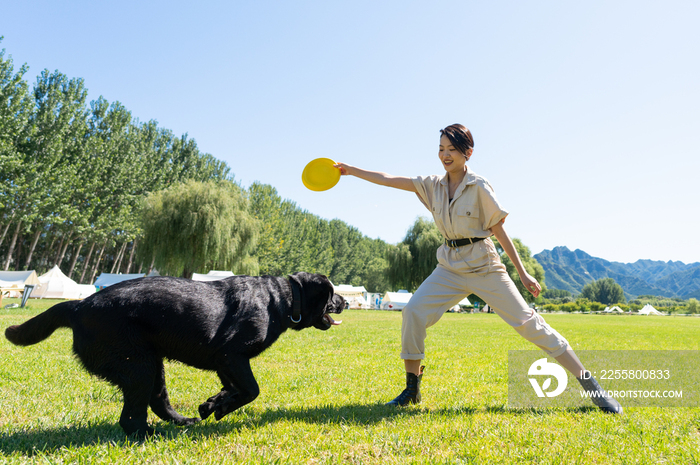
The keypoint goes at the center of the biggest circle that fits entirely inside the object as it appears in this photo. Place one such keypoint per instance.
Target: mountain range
(571, 271)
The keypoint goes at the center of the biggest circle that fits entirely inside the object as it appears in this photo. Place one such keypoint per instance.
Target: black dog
(122, 334)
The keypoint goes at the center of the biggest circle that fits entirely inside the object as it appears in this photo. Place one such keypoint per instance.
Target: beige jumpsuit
(471, 269)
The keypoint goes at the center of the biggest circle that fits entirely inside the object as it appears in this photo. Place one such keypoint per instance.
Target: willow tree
(412, 260)
(199, 226)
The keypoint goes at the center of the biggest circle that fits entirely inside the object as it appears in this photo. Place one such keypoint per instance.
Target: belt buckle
(452, 243)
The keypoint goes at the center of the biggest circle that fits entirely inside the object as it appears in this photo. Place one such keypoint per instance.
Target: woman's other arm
(528, 281)
(383, 179)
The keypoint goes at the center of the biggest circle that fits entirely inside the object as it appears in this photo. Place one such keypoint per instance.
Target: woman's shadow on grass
(48, 440)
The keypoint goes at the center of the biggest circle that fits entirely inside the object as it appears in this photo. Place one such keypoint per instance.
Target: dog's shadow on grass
(48, 440)
(41, 441)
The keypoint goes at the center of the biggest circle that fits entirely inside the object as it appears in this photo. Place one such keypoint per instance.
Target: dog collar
(295, 317)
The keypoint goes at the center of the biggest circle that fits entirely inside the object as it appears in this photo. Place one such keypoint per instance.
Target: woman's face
(452, 159)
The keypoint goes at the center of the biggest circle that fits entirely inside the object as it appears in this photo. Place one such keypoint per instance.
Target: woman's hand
(531, 284)
(528, 281)
(344, 169)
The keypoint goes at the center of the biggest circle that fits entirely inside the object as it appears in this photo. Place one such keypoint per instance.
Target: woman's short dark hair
(459, 136)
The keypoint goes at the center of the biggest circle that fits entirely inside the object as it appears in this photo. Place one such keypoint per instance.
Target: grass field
(322, 396)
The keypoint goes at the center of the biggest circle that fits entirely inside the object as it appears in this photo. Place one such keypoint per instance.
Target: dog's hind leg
(136, 382)
(160, 402)
(133, 371)
(240, 388)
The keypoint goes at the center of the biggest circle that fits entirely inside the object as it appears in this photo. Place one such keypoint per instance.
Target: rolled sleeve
(424, 190)
(491, 211)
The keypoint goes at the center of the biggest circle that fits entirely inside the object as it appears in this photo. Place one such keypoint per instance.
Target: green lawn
(322, 396)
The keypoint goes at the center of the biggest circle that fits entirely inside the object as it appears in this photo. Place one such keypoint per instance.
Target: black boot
(410, 395)
(598, 395)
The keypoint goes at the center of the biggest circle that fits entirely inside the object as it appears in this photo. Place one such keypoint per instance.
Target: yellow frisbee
(320, 174)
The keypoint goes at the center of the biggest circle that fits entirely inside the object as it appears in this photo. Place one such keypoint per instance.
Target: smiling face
(452, 159)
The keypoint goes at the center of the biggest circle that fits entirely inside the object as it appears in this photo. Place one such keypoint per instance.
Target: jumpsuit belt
(461, 242)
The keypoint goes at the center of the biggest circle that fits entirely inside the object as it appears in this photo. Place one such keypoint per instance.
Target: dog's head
(318, 301)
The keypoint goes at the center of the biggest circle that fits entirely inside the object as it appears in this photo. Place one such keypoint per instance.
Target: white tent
(347, 290)
(107, 279)
(10, 280)
(353, 295)
(18, 278)
(56, 285)
(612, 309)
(462, 303)
(649, 310)
(395, 300)
(213, 275)
(357, 302)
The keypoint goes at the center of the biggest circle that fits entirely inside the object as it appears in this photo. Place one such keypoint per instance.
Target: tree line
(72, 174)
(79, 180)
(584, 305)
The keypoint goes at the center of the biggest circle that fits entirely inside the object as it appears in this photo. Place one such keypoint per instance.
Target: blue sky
(585, 116)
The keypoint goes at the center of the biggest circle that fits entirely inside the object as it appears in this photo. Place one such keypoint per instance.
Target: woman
(467, 214)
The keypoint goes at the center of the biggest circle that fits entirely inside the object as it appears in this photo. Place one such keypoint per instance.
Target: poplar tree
(45, 180)
(15, 110)
(292, 239)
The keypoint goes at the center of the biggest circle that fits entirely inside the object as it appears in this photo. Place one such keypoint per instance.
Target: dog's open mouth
(326, 322)
(336, 305)
(330, 321)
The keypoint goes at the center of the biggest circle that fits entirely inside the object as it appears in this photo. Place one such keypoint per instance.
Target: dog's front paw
(220, 412)
(186, 421)
(206, 409)
(224, 408)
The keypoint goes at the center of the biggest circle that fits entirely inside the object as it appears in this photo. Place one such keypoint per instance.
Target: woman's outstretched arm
(383, 179)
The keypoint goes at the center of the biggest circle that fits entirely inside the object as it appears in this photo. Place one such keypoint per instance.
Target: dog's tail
(43, 325)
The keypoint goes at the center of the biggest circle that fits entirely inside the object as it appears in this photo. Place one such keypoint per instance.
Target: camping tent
(17, 280)
(213, 275)
(107, 279)
(358, 302)
(395, 300)
(462, 303)
(56, 285)
(349, 291)
(353, 295)
(649, 310)
(612, 309)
